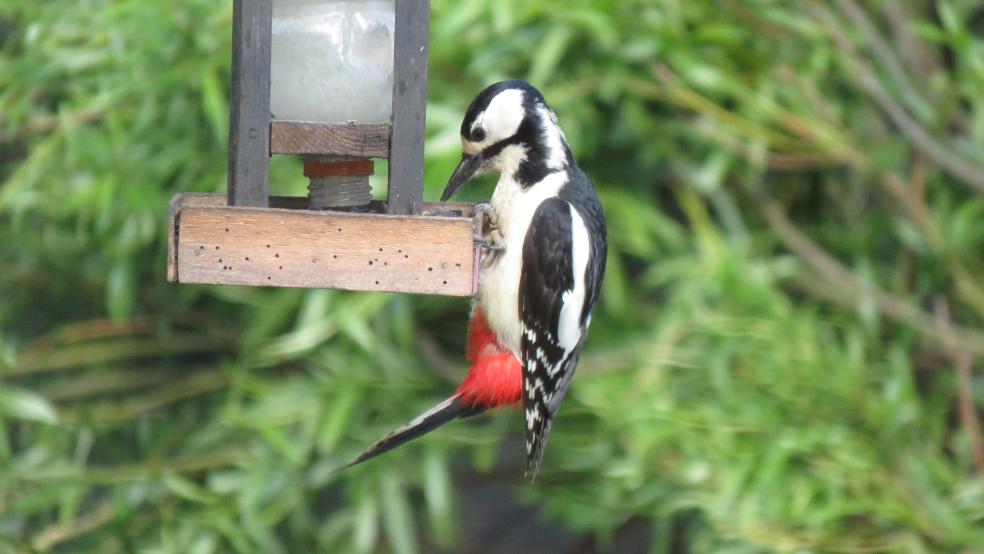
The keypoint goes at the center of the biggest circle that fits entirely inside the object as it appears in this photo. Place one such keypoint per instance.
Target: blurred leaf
(396, 515)
(186, 489)
(22, 404)
(437, 490)
(120, 290)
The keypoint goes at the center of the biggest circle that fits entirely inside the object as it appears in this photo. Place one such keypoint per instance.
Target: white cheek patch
(502, 117)
(470, 148)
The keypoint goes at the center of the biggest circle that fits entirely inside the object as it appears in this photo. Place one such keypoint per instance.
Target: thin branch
(882, 50)
(921, 60)
(914, 204)
(46, 123)
(965, 397)
(968, 411)
(968, 172)
(449, 369)
(149, 469)
(193, 385)
(851, 287)
(53, 535)
(102, 352)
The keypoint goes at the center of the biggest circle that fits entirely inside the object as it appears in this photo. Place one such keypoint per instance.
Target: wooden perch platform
(330, 139)
(287, 245)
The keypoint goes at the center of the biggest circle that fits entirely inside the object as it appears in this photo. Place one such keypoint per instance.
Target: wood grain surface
(212, 243)
(329, 139)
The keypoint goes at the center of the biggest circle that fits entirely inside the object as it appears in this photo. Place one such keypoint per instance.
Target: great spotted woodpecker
(546, 242)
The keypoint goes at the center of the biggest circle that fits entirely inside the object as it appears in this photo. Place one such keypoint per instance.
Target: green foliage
(795, 214)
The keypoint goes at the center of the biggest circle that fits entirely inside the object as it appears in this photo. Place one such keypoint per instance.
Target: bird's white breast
(498, 289)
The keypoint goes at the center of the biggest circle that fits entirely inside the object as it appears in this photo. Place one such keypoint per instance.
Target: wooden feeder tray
(287, 245)
(250, 238)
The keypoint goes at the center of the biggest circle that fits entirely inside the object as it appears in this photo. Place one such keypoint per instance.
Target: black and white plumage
(538, 286)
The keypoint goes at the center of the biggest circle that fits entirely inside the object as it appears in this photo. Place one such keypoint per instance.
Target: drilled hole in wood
(268, 277)
(334, 256)
(406, 256)
(276, 255)
(430, 269)
(370, 262)
(281, 268)
(268, 246)
(339, 229)
(458, 265)
(227, 229)
(377, 282)
(380, 249)
(216, 247)
(445, 282)
(220, 260)
(247, 258)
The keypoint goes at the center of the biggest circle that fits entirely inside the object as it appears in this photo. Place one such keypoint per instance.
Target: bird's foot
(486, 243)
(485, 227)
(489, 218)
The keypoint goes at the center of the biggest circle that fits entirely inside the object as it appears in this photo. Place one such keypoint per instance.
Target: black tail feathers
(451, 409)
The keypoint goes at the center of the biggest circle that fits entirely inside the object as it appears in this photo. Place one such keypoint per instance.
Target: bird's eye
(478, 134)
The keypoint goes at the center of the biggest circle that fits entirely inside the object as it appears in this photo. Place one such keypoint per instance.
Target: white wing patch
(569, 325)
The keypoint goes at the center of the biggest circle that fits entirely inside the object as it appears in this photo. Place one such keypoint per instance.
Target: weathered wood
(173, 221)
(330, 139)
(249, 103)
(211, 200)
(219, 244)
(406, 168)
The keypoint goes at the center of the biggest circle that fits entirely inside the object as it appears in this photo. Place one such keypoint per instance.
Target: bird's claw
(481, 208)
(484, 227)
(489, 218)
(486, 244)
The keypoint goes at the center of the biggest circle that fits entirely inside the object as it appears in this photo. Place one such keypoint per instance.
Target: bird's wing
(552, 296)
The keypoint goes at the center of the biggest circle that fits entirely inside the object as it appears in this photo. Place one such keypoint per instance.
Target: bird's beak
(466, 170)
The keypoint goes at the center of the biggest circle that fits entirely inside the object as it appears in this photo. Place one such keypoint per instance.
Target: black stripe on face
(530, 135)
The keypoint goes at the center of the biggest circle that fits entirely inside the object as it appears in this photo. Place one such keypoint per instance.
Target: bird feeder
(339, 84)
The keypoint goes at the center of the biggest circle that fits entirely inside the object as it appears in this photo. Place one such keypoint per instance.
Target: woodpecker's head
(509, 128)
